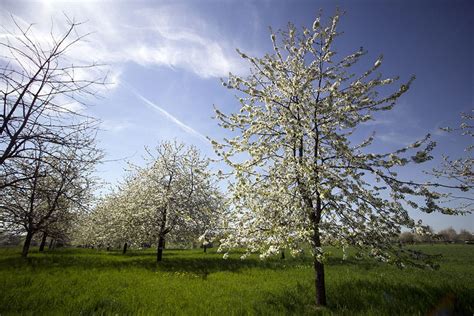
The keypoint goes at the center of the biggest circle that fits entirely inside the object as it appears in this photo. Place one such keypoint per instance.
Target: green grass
(189, 282)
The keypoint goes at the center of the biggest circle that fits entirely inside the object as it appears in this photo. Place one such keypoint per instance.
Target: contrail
(169, 116)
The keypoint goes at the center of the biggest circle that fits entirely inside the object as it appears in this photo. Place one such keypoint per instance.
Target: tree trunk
(125, 248)
(318, 266)
(43, 242)
(282, 257)
(320, 285)
(319, 270)
(50, 246)
(26, 245)
(161, 245)
(204, 247)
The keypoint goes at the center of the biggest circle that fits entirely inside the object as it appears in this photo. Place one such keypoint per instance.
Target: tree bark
(43, 242)
(50, 246)
(161, 245)
(319, 270)
(315, 211)
(26, 245)
(318, 266)
(282, 257)
(320, 284)
(125, 248)
(205, 248)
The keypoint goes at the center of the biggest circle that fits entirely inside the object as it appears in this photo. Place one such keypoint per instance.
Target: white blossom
(314, 184)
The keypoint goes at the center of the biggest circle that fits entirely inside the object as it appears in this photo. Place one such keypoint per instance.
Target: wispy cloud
(396, 138)
(377, 122)
(116, 126)
(188, 129)
(165, 35)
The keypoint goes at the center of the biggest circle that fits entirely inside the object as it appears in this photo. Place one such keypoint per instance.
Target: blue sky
(166, 60)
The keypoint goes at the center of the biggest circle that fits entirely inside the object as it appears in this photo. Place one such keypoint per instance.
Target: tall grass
(190, 282)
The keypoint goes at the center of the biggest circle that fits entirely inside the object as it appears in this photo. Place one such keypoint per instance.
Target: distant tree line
(447, 235)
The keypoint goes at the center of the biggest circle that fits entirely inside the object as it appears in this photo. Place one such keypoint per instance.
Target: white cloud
(159, 36)
(394, 138)
(399, 139)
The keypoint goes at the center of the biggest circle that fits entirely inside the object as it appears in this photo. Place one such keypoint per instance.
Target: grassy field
(189, 282)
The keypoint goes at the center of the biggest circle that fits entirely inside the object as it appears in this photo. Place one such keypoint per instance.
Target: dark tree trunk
(125, 248)
(318, 266)
(320, 285)
(282, 255)
(43, 242)
(26, 245)
(315, 210)
(161, 245)
(319, 270)
(205, 248)
(50, 246)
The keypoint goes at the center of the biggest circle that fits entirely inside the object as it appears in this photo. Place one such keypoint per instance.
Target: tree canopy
(299, 176)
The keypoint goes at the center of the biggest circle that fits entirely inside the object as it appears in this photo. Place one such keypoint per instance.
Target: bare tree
(460, 170)
(448, 234)
(41, 92)
(57, 188)
(407, 238)
(464, 235)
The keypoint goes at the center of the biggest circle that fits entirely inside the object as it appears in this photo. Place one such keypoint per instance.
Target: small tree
(174, 190)
(299, 177)
(115, 220)
(172, 197)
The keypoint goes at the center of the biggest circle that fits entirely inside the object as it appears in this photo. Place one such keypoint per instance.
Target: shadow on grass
(370, 297)
(174, 260)
(399, 298)
(198, 263)
(351, 261)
